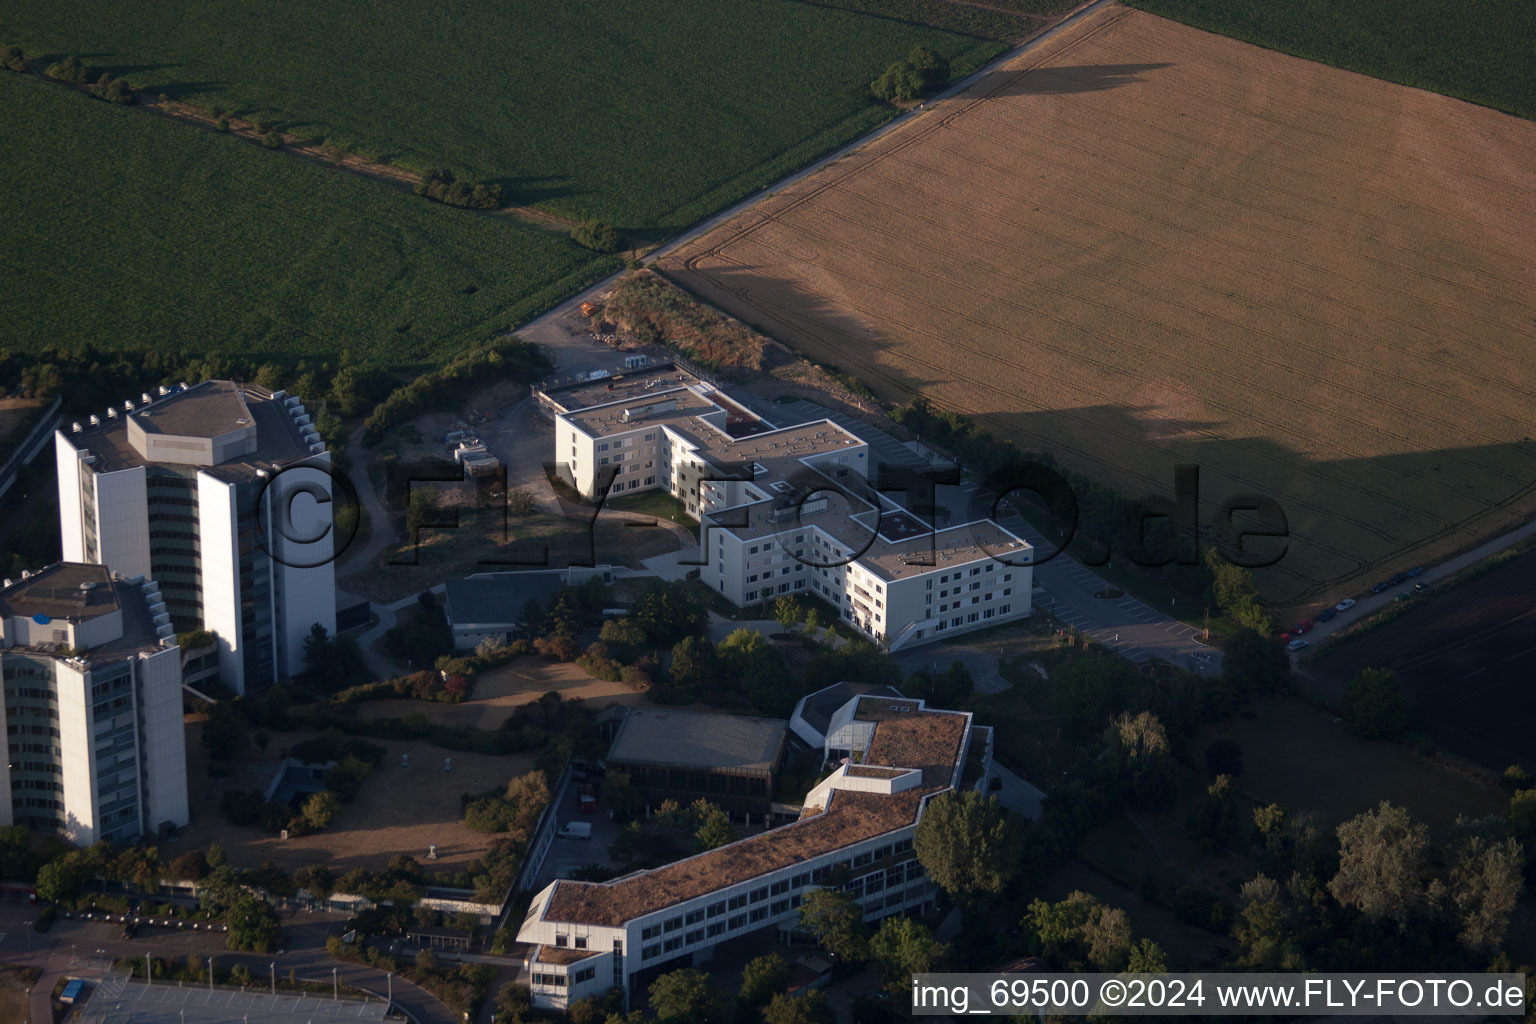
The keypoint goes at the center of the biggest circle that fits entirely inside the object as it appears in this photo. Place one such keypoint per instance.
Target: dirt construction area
(399, 810)
(1140, 245)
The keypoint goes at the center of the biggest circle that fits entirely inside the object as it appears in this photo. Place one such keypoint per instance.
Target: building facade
(788, 511)
(220, 493)
(92, 711)
(855, 833)
(732, 761)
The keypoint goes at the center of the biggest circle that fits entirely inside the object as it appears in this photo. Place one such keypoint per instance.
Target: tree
(668, 610)
(1089, 691)
(190, 866)
(60, 880)
(321, 809)
(947, 689)
(809, 1008)
(597, 236)
(812, 619)
(1147, 957)
(1485, 885)
(763, 978)
(1215, 818)
(624, 639)
(786, 611)
(1373, 705)
(696, 667)
(837, 922)
(1236, 594)
(969, 844)
(1384, 866)
(253, 925)
(1079, 932)
(933, 68)
(902, 947)
(1261, 927)
(619, 795)
(714, 830)
(1138, 746)
(224, 733)
(758, 665)
(418, 510)
(427, 961)
(685, 996)
(899, 83)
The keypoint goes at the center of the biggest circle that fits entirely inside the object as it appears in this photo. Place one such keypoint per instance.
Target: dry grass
(399, 811)
(1141, 245)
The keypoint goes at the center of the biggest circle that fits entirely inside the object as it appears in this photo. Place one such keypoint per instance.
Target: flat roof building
(92, 711)
(730, 760)
(790, 510)
(221, 494)
(855, 833)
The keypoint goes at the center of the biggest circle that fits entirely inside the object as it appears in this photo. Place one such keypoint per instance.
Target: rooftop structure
(685, 738)
(859, 821)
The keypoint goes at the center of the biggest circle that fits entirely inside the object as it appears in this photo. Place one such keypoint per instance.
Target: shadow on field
(1045, 81)
(536, 188)
(822, 330)
(134, 69)
(181, 91)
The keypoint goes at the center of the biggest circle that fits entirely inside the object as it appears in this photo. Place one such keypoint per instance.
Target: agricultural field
(649, 114)
(1140, 245)
(1479, 52)
(1464, 659)
(134, 233)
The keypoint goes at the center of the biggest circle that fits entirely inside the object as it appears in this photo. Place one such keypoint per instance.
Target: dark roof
(57, 592)
(820, 706)
(498, 600)
(211, 409)
(693, 740)
(278, 441)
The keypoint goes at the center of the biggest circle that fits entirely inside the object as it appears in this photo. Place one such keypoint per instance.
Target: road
(77, 948)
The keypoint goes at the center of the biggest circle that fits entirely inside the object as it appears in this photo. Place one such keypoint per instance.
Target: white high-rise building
(221, 494)
(92, 712)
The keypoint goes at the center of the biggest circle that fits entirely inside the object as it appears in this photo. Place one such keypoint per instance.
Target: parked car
(1396, 579)
(1402, 595)
(1295, 645)
(1344, 605)
(575, 830)
(1377, 588)
(587, 798)
(1417, 570)
(1301, 627)
(1326, 614)
(1421, 587)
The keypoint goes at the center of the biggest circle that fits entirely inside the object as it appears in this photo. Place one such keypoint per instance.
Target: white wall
(162, 738)
(77, 750)
(122, 521)
(71, 522)
(303, 574)
(221, 575)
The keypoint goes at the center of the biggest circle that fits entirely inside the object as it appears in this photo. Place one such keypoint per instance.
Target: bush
(70, 70)
(113, 90)
(443, 187)
(272, 140)
(222, 124)
(12, 59)
(597, 236)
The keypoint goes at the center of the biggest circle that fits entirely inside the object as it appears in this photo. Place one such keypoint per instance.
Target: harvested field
(1140, 245)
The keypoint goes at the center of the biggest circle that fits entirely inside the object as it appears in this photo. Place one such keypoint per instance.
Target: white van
(575, 830)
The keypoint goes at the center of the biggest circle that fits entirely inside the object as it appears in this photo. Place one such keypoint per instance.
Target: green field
(649, 114)
(1482, 51)
(134, 233)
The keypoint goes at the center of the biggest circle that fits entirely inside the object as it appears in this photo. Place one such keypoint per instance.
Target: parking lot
(567, 855)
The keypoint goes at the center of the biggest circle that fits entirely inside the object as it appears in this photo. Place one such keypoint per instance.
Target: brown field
(399, 811)
(1140, 245)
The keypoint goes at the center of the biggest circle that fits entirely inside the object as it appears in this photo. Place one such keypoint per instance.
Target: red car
(1301, 627)
(588, 799)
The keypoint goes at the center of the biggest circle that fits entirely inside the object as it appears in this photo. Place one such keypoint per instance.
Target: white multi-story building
(92, 710)
(855, 833)
(221, 494)
(788, 510)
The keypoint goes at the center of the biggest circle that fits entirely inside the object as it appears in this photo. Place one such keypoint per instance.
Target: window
(672, 944)
(585, 974)
(602, 447)
(693, 917)
(737, 902)
(716, 909)
(650, 952)
(697, 935)
(736, 922)
(673, 925)
(758, 895)
(760, 914)
(581, 942)
(562, 941)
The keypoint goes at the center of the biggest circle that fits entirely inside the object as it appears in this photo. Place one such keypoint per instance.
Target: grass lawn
(651, 503)
(132, 232)
(649, 114)
(1479, 52)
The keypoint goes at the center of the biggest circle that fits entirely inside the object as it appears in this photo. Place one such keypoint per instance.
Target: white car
(1344, 605)
(1296, 645)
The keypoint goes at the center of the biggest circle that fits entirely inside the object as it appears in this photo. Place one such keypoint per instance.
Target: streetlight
(390, 982)
(335, 990)
(274, 977)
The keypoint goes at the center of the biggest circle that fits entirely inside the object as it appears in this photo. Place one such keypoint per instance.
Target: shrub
(222, 124)
(68, 70)
(12, 59)
(597, 236)
(113, 90)
(443, 187)
(272, 140)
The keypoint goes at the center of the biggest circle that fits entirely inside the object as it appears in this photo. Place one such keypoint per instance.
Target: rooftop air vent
(128, 405)
(164, 390)
(111, 414)
(88, 585)
(74, 428)
(144, 398)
